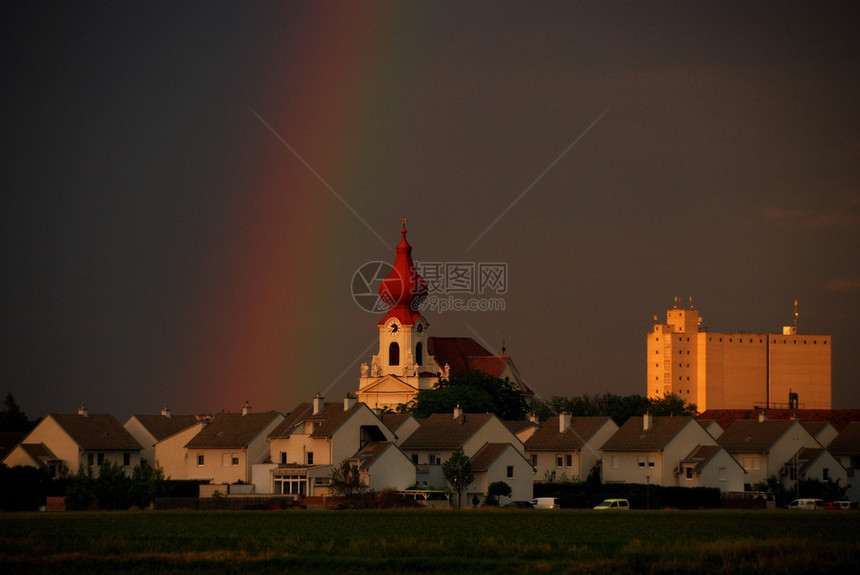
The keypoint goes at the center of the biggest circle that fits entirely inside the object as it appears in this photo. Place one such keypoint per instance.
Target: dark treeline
(619, 407)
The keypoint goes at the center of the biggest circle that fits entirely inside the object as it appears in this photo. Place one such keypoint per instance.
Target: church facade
(409, 359)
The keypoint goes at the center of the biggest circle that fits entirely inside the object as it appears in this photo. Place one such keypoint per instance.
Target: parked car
(546, 503)
(809, 504)
(613, 504)
(520, 504)
(841, 505)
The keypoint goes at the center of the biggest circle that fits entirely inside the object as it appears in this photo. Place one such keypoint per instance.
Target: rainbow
(241, 339)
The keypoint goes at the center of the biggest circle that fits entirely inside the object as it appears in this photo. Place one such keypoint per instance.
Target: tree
(12, 418)
(457, 471)
(497, 489)
(475, 392)
(345, 480)
(619, 408)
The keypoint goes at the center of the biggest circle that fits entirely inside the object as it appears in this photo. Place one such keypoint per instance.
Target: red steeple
(404, 289)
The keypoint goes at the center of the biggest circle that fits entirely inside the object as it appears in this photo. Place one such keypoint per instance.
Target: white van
(545, 503)
(806, 504)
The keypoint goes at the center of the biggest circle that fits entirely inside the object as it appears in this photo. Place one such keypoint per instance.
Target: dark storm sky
(189, 189)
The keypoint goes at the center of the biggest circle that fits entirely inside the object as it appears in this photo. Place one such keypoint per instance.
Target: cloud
(845, 215)
(845, 285)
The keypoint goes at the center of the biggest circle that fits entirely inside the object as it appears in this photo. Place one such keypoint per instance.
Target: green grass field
(426, 541)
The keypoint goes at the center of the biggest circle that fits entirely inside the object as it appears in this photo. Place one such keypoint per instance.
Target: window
(415, 458)
(825, 474)
(559, 461)
(650, 463)
(199, 460)
(641, 462)
(394, 354)
(234, 460)
(419, 353)
(283, 458)
(100, 458)
(615, 463)
(568, 460)
(126, 459)
(510, 470)
(534, 459)
(310, 457)
(689, 473)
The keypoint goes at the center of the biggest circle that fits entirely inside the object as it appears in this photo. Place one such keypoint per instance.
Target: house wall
(346, 441)
(547, 468)
(691, 436)
(391, 470)
(835, 472)
(590, 453)
(20, 457)
(144, 438)
(623, 467)
(261, 477)
(49, 432)
(723, 472)
(216, 468)
(171, 454)
(521, 483)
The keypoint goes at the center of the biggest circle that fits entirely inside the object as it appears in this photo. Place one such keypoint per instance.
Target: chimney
(82, 410)
(762, 416)
(458, 412)
(349, 401)
(318, 401)
(165, 411)
(563, 422)
(246, 409)
(647, 421)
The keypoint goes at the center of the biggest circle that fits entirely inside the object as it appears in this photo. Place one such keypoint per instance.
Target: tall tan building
(738, 370)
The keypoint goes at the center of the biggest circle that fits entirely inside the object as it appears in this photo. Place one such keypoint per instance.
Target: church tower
(403, 365)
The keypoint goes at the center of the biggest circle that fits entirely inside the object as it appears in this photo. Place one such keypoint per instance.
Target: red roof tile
(574, 438)
(232, 430)
(96, 431)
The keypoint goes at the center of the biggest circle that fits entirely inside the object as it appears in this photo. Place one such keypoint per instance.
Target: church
(409, 359)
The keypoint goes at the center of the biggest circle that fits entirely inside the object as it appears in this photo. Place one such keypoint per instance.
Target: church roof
(404, 288)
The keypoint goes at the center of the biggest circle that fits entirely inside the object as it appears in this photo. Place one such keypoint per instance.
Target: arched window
(393, 354)
(419, 353)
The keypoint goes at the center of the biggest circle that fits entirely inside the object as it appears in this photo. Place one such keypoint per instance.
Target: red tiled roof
(838, 418)
(700, 456)
(232, 430)
(96, 431)
(327, 421)
(485, 456)
(848, 440)
(161, 426)
(441, 431)
(753, 436)
(632, 437)
(368, 454)
(574, 438)
(394, 420)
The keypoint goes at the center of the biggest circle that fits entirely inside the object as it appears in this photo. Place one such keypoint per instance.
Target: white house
(567, 448)
(711, 466)
(648, 449)
(224, 451)
(67, 442)
(382, 465)
(763, 446)
(314, 437)
(501, 462)
(440, 435)
(149, 429)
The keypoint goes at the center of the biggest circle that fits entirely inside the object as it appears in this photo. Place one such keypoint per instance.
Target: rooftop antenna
(503, 347)
(691, 302)
(795, 316)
